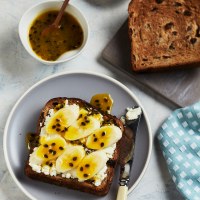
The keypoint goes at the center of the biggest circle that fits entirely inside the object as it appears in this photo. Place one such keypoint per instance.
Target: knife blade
(127, 145)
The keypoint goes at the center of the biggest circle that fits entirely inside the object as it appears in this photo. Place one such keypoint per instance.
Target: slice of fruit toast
(76, 146)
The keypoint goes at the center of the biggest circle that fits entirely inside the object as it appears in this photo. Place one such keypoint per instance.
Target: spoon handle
(60, 14)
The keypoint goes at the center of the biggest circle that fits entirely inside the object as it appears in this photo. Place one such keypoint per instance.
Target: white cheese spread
(133, 113)
(100, 176)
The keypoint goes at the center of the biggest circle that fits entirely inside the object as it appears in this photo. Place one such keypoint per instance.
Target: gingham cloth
(179, 138)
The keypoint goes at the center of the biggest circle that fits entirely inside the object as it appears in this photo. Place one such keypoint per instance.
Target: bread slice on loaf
(73, 183)
(164, 34)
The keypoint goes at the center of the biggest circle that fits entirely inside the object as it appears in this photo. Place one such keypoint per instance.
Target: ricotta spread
(133, 113)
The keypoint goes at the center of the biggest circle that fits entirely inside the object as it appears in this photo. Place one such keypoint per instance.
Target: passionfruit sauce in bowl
(50, 47)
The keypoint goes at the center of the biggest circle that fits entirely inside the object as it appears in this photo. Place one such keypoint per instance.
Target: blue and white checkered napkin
(179, 138)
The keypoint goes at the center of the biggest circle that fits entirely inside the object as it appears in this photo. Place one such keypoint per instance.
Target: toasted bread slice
(164, 34)
(73, 183)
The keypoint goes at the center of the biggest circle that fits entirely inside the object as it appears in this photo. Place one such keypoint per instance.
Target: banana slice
(83, 113)
(91, 165)
(62, 119)
(84, 126)
(104, 137)
(70, 158)
(51, 147)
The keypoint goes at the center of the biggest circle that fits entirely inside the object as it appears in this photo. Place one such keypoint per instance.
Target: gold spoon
(55, 24)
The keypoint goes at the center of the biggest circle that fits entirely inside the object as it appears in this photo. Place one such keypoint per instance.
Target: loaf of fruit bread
(76, 146)
(164, 34)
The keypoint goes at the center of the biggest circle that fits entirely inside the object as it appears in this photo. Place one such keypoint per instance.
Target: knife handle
(122, 193)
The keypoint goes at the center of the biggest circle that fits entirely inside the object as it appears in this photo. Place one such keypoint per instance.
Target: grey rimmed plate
(24, 115)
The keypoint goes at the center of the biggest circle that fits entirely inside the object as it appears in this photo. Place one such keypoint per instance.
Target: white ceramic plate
(23, 118)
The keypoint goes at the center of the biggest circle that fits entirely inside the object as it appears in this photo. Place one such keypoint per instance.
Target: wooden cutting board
(182, 87)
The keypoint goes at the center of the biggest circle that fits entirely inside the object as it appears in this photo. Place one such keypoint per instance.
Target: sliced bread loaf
(164, 34)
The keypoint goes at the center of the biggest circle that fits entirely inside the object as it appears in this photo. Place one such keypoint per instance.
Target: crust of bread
(85, 186)
(164, 34)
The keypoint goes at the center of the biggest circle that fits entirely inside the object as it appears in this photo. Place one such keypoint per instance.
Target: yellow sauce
(52, 45)
(103, 102)
(32, 140)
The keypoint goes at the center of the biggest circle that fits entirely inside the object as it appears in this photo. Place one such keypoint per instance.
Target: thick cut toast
(73, 183)
(164, 34)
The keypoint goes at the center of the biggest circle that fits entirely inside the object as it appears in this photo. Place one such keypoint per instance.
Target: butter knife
(131, 120)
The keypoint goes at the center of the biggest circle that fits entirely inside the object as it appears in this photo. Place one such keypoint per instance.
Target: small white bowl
(36, 10)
